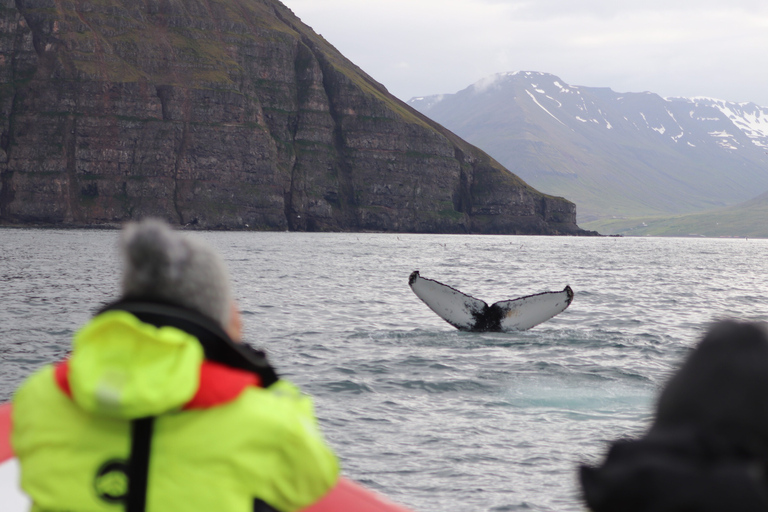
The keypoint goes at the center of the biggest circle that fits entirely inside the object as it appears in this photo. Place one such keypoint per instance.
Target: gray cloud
(671, 47)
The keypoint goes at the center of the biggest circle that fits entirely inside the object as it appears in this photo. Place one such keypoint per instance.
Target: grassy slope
(748, 219)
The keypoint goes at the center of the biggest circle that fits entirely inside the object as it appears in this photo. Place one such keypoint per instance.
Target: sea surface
(436, 419)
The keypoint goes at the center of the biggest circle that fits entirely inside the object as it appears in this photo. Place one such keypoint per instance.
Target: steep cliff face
(227, 114)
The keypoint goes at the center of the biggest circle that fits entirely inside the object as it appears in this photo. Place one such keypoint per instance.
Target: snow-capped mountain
(614, 154)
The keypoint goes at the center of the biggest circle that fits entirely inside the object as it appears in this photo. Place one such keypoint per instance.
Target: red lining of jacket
(219, 384)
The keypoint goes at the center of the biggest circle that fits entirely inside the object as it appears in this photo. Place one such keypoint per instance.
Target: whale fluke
(470, 314)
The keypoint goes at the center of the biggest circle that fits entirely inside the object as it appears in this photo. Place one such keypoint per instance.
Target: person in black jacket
(707, 449)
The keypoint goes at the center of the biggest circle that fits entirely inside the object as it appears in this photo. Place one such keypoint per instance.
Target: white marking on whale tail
(470, 314)
(457, 308)
(526, 312)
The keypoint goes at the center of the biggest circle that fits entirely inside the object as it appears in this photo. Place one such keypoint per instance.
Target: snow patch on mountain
(542, 107)
(652, 153)
(750, 119)
(693, 120)
(423, 103)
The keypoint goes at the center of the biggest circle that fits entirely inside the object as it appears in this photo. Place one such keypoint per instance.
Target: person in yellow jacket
(160, 408)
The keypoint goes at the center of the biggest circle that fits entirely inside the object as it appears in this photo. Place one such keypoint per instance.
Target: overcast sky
(714, 48)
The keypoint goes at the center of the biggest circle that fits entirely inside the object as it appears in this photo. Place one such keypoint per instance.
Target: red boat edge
(6, 452)
(345, 496)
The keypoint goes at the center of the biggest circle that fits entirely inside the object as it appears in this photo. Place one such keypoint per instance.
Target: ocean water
(436, 419)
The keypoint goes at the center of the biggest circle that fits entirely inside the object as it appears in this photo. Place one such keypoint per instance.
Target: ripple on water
(433, 417)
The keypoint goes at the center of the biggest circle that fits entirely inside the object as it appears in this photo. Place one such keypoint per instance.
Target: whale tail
(470, 314)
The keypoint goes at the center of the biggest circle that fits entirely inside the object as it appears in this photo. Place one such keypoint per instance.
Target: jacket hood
(675, 471)
(125, 368)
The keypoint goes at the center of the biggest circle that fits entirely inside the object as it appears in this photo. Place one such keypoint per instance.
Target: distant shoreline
(114, 226)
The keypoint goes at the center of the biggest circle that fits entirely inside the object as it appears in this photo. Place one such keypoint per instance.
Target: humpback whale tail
(470, 314)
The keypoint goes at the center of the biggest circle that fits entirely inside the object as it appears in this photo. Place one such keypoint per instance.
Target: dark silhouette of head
(707, 449)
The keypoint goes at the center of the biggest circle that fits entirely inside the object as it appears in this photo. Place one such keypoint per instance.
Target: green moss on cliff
(265, 67)
(451, 214)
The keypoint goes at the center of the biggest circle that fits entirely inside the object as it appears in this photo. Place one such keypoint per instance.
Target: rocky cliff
(227, 114)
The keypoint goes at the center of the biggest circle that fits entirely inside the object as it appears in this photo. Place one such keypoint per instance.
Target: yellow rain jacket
(139, 417)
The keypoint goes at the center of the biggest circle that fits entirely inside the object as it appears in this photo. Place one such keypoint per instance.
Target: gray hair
(163, 264)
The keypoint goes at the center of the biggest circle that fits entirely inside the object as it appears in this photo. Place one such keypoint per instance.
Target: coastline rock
(225, 114)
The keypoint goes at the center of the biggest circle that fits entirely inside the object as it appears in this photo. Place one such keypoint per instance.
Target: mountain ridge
(614, 154)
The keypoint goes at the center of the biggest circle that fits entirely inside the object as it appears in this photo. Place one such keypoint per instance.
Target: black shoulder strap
(262, 506)
(138, 467)
(217, 345)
